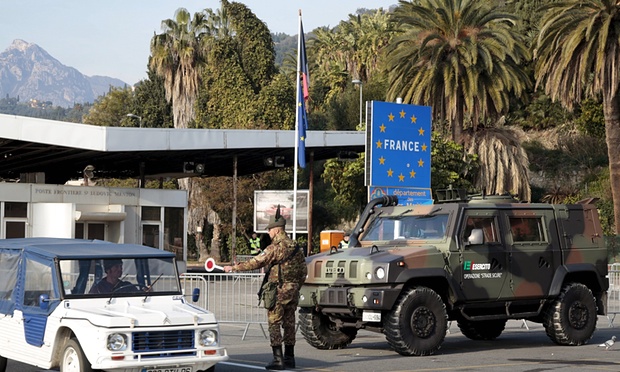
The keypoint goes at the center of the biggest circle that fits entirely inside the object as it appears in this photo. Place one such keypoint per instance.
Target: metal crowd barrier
(231, 297)
(613, 294)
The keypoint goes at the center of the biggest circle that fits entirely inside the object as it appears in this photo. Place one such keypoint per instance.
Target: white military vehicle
(56, 311)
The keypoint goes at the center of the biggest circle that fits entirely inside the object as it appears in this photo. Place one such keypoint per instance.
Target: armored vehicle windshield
(406, 225)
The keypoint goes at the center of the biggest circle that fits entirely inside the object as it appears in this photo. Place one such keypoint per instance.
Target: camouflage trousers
(282, 316)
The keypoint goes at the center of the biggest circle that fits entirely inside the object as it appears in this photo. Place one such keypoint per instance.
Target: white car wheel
(73, 358)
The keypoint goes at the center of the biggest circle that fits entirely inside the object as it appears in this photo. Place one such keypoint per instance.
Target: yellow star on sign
(413, 119)
(420, 163)
(391, 117)
(424, 147)
(390, 172)
(412, 174)
(402, 114)
(378, 144)
(401, 178)
(382, 128)
(421, 131)
(382, 160)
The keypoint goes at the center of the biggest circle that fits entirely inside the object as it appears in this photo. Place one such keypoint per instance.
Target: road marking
(242, 365)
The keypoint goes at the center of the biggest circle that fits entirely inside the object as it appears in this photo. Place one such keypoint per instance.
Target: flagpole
(296, 165)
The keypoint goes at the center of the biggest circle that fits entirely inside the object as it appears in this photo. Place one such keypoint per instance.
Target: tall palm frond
(503, 163)
(177, 56)
(578, 55)
(458, 56)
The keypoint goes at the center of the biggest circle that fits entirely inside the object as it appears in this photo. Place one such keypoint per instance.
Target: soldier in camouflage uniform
(293, 270)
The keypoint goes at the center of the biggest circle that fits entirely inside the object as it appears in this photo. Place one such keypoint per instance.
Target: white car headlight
(380, 273)
(117, 342)
(208, 338)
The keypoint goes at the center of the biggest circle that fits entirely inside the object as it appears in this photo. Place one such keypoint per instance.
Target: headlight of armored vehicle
(117, 342)
(207, 338)
(380, 272)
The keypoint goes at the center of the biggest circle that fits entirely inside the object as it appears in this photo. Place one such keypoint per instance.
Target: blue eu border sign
(400, 146)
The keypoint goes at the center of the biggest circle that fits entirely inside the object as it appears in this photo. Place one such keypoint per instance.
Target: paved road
(516, 350)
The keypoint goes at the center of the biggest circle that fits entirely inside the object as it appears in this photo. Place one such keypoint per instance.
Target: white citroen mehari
(81, 305)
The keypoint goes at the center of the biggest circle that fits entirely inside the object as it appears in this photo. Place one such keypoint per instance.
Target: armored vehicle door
(534, 250)
(482, 263)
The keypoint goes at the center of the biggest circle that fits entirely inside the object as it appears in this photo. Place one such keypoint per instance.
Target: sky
(112, 37)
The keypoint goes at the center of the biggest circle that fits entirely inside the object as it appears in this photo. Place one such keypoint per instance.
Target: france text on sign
(406, 195)
(400, 146)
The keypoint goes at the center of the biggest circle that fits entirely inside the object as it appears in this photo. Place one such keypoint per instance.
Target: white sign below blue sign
(406, 195)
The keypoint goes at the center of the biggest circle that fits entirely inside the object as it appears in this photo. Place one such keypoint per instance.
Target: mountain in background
(27, 71)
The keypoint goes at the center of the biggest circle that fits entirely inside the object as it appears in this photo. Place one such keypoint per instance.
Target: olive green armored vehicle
(479, 261)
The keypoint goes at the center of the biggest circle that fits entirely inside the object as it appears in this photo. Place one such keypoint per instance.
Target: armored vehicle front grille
(167, 343)
(333, 296)
(337, 269)
(353, 270)
(318, 265)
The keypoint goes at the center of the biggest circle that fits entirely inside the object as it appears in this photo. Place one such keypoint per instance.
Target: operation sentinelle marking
(471, 266)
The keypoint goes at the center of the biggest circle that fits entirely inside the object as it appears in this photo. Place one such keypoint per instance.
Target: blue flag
(303, 84)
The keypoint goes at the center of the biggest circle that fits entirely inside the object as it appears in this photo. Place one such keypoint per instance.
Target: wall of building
(91, 212)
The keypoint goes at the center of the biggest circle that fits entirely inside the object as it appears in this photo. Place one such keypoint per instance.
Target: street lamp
(136, 117)
(359, 82)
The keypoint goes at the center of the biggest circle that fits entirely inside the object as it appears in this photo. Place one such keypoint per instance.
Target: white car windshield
(116, 276)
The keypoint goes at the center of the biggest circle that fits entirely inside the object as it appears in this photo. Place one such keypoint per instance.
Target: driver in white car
(112, 282)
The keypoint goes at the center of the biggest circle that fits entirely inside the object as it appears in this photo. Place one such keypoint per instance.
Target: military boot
(276, 363)
(289, 356)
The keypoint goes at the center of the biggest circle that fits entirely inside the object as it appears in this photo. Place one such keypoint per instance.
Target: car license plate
(168, 369)
(371, 316)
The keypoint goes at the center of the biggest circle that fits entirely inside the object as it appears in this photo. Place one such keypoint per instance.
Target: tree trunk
(196, 213)
(214, 219)
(457, 123)
(611, 110)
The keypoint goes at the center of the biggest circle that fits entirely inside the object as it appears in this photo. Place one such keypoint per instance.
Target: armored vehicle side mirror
(476, 237)
(195, 294)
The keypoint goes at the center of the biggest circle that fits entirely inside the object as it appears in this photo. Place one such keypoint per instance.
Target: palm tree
(457, 56)
(578, 55)
(350, 50)
(177, 55)
(218, 23)
(462, 57)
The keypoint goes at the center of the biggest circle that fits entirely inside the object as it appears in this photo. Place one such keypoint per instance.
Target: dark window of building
(15, 229)
(15, 209)
(151, 214)
(173, 230)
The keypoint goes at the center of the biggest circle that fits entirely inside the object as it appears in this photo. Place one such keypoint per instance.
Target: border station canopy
(63, 150)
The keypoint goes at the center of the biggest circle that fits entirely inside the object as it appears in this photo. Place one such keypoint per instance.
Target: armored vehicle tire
(418, 323)
(3, 362)
(483, 329)
(73, 358)
(571, 319)
(319, 331)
